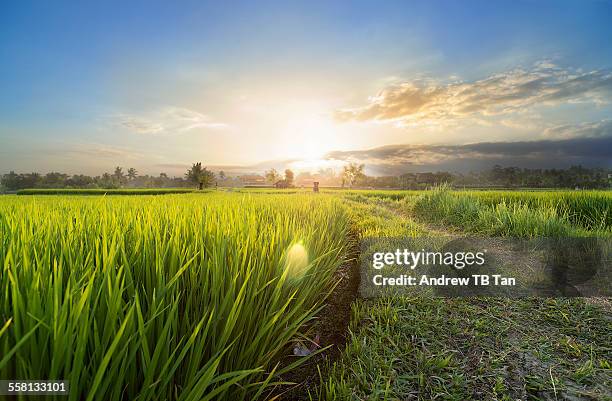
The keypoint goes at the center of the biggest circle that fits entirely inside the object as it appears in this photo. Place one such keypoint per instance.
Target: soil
(331, 325)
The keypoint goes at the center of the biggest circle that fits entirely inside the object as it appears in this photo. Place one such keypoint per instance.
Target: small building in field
(282, 184)
(254, 181)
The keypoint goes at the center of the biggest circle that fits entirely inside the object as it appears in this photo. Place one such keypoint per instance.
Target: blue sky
(158, 85)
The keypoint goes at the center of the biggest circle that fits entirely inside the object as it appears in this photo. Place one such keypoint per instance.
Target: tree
(80, 181)
(208, 178)
(352, 173)
(132, 173)
(194, 174)
(289, 177)
(107, 181)
(272, 176)
(119, 176)
(11, 181)
(222, 175)
(200, 176)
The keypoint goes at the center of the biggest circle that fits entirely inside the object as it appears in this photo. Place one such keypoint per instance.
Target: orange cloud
(431, 102)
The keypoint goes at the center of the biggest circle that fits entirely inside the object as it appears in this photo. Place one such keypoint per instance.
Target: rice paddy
(201, 296)
(177, 297)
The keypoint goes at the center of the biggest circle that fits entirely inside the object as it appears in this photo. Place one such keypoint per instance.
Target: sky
(244, 86)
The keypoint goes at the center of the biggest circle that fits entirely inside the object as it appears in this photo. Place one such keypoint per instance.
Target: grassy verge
(456, 349)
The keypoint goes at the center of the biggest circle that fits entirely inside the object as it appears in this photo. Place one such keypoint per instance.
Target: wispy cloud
(104, 152)
(595, 129)
(167, 121)
(433, 102)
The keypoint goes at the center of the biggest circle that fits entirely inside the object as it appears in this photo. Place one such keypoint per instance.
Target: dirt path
(330, 328)
(524, 348)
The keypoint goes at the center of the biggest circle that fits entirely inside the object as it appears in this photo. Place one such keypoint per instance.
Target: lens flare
(297, 260)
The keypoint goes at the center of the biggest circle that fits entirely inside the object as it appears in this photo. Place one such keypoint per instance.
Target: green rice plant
(522, 221)
(373, 217)
(471, 214)
(175, 297)
(587, 209)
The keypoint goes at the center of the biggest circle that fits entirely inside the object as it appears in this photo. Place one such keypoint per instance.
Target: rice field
(201, 296)
(186, 297)
(588, 209)
(518, 214)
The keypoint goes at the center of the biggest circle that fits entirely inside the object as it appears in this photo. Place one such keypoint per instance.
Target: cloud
(140, 125)
(432, 102)
(167, 121)
(584, 130)
(101, 151)
(397, 159)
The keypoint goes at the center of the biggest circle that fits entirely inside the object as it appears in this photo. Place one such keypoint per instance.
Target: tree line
(197, 176)
(514, 177)
(352, 176)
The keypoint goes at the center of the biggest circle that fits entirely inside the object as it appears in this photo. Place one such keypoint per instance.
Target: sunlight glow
(314, 165)
(311, 137)
(297, 260)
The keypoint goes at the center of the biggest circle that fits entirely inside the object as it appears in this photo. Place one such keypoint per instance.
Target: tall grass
(582, 210)
(471, 214)
(591, 210)
(180, 297)
(374, 217)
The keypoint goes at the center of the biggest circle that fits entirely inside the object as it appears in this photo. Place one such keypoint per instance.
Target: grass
(508, 214)
(403, 347)
(423, 348)
(587, 209)
(179, 297)
(376, 218)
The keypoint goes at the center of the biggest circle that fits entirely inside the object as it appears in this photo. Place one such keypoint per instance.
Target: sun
(311, 165)
(311, 137)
